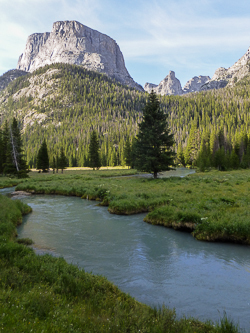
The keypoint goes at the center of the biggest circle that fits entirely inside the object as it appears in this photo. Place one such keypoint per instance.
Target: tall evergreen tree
(63, 162)
(42, 162)
(128, 153)
(53, 164)
(154, 141)
(1, 151)
(15, 162)
(5, 140)
(94, 156)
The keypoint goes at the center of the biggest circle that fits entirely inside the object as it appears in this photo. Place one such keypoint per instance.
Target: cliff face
(195, 84)
(73, 43)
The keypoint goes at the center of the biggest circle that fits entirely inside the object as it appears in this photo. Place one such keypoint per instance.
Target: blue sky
(190, 37)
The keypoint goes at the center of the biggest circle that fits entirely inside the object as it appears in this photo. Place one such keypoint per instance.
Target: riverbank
(44, 293)
(213, 206)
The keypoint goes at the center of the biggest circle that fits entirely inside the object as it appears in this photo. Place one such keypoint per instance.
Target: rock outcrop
(73, 43)
(149, 87)
(195, 84)
(168, 86)
(10, 76)
(223, 77)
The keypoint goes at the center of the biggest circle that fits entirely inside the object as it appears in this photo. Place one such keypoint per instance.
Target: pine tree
(43, 158)
(94, 157)
(191, 149)
(62, 161)
(15, 162)
(5, 140)
(154, 142)
(127, 153)
(180, 155)
(53, 164)
(1, 151)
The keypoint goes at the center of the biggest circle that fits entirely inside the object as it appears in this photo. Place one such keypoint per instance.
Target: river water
(156, 265)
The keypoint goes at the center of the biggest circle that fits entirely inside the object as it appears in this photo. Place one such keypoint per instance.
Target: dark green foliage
(53, 164)
(5, 140)
(1, 152)
(13, 158)
(94, 156)
(154, 141)
(43, 158)
(81, 101)
(128, 153)
(62, 161)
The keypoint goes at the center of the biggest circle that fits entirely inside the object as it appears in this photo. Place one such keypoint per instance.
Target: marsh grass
(45, 294)
(213, 206)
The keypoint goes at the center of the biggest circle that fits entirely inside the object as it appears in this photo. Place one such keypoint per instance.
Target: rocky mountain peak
(170, 85)
(223, 77)
(195, 83)
(74, 43)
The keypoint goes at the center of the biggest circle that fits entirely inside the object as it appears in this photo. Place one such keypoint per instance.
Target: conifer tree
(57, 163)
(15, 162)
(154, 141)
(127, 153)
(5, 139)
(62, 161)
(94, 156)
(53, 164)
(180, 155)
(42, 162)
(1, 151)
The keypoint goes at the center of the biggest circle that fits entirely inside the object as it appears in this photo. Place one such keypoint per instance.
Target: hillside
(64, 103)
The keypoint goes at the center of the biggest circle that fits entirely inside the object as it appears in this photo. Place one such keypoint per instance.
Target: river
(156, 265)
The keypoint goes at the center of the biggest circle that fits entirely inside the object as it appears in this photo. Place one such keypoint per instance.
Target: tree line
(210, 128)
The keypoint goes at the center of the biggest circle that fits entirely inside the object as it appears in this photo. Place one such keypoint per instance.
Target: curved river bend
(154, 264)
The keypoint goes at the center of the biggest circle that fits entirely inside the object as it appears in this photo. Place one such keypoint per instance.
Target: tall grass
(214, 206)
(45, 294)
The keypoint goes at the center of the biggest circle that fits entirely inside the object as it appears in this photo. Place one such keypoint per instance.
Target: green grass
(214, 206)
(45, 294)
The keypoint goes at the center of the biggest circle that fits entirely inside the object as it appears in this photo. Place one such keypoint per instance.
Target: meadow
(213, 206)
(45, 294)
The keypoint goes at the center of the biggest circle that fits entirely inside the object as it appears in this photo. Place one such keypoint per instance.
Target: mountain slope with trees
(63, 104)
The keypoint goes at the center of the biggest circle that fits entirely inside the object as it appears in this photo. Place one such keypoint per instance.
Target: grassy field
(45, 294)
(214, 206)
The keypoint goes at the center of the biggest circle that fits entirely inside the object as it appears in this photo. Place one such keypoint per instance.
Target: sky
(189, 37)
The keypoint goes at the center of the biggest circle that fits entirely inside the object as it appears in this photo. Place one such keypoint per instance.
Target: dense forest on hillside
(64, 104)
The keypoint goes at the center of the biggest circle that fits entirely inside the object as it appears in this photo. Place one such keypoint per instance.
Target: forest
(63, 104)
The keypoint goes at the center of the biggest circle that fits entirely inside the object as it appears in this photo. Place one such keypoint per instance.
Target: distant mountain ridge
(221, 78)
(71, 42)
(74, 43)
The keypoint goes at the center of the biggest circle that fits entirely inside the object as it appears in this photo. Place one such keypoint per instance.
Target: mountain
(71, 42)
(10, 76)
(195, 84)
(64, 103)
(170, 85)
(223, 77)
